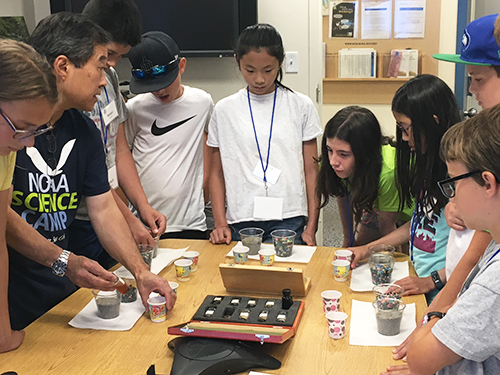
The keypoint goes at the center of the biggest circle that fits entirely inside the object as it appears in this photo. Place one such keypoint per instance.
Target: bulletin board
(379, 90)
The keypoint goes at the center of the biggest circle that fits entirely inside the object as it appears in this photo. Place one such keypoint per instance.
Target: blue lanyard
(415, 220)
(351, 232)
(104, 128)
(264, 169)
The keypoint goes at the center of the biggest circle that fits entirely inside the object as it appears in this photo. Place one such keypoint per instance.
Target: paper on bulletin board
(343, 19)
(376, 19)
(409, 19)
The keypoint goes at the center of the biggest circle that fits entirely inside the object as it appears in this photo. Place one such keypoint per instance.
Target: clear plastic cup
(252, 238)
(283, 240)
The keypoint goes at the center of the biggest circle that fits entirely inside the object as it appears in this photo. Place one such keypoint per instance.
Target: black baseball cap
(155, 63)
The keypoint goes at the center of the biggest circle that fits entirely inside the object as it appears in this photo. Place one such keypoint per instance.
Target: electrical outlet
(291, 62)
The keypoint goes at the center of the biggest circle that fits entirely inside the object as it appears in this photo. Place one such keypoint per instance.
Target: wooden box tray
(263, 279)
(224, 325)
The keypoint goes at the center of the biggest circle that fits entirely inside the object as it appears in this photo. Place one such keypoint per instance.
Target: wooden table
(52, 346)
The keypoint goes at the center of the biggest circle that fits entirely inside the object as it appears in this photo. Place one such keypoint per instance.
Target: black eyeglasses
(448, 186)
(403, 129)
(22, 134)
(154, 71)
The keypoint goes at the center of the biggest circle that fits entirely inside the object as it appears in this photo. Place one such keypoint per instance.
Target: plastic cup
(157, 309)
(341, 269)
(337, 322)
(240, 254)
(343, 255)
(183, 269)
(192, 256)
(108, 303)
(283, 240)
(382, 249)
(389, 312)
(252, 238)
(157, 244)
(146, 251)
(174, 286)
(388, 290)
(381, 267)
(331, 300)
(267, 257)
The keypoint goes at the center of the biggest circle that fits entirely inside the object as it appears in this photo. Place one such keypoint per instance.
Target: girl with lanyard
(424, 108)
(264, 148)
(360, 173)
(28, 93)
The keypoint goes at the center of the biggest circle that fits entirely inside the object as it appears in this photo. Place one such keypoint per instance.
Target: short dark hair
(70, 34)
(497, 69)
(120, 18)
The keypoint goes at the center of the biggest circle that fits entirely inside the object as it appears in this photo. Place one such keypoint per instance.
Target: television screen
(199, 27)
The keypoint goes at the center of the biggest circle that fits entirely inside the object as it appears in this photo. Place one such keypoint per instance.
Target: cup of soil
(388, 312)
(381, 267)
(283, 240)
(252, 238)
(108, 303)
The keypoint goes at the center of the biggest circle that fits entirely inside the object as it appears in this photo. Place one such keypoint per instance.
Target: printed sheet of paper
(343, 19)
(376, 19)
(409, 19)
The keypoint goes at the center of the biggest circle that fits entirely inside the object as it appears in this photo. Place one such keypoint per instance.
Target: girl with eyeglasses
(358, 168)
(264, 147)
(424, 108)
(27, 96)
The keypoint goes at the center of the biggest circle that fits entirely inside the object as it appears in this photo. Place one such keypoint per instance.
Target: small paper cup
(341, 269)
(183, 269)
(267, 257)
(343, 255)
(331, 300)
(174, 286)
(157, 309)
(192, 256)
(337, 322)
(240, 254)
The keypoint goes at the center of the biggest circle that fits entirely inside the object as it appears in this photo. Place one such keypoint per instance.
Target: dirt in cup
(389, 322)
(108, 308)
(253, 244)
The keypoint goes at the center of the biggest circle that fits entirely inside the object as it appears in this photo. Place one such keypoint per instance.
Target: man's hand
(416, 285)
(11, 341)
(148, 282)
(221, 235)
(140, 233)
(87, 273)
(453, 218)
(156, 221)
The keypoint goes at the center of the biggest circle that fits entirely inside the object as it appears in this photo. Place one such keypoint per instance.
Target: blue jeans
(296, 224)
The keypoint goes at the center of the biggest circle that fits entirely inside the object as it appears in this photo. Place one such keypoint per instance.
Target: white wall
(446, 71)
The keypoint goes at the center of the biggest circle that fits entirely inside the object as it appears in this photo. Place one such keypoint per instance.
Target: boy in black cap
(121, 19)
(166, 130)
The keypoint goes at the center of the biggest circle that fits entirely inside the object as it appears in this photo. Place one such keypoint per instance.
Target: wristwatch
(60, 265)
(437, 280)
(432, 314)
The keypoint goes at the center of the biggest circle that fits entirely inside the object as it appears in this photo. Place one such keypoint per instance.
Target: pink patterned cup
(343, 255)
(331, 300)
(337, 322)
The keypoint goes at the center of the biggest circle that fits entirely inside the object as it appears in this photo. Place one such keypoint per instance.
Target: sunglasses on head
(154, 71)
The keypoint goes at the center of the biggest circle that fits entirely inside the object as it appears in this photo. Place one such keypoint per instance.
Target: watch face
(59, 267)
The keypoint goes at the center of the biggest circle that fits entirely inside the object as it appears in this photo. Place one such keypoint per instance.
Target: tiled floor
(332, 227)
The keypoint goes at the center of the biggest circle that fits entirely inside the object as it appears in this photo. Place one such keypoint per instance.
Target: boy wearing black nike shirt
(166, 130)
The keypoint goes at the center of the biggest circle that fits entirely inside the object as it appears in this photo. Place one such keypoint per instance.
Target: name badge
(272, 173)
(109, 113)
(113, 177)
(267, 208)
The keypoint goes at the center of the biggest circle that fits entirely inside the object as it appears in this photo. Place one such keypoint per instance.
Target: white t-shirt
(458, 243)
(295, 121)
(170, 164)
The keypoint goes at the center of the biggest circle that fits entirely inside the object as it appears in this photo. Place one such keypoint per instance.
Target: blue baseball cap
(479, 46)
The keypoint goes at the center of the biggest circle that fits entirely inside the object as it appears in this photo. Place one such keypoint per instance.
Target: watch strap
(437, 280)
(60, 265)
(432, 314)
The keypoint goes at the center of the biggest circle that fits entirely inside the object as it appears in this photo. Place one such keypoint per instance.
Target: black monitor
(199, 27)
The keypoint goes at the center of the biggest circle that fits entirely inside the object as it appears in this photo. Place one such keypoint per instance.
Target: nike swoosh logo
(155, 130)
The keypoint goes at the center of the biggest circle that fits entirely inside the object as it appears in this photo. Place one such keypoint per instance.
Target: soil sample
(253, 244)
(108, 308)
(389, 322)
